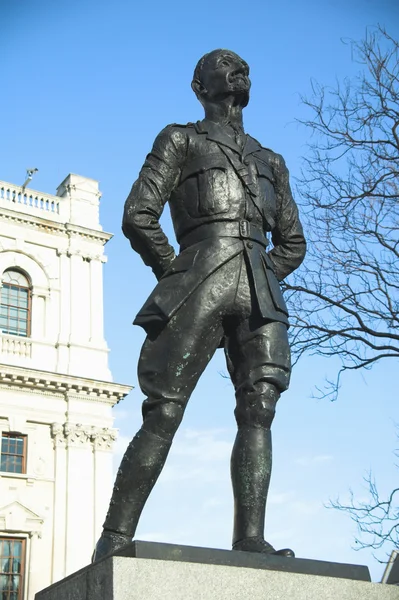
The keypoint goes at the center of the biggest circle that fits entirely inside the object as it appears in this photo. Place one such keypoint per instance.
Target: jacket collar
(251, 146)
(217, 133)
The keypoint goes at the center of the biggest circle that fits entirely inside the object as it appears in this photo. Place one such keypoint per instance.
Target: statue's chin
(240, 95)
(241, 98)
(240, 88)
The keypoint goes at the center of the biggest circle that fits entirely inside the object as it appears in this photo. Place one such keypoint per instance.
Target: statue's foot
(258, 544)
(109, 542)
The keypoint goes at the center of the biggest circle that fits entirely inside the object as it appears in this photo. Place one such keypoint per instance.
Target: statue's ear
(198, 88)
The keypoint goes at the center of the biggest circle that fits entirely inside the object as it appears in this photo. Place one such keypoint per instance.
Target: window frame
(29, 304)
(9, 538)
(11, 435)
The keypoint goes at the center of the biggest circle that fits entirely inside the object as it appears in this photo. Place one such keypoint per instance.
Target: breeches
(257, 352)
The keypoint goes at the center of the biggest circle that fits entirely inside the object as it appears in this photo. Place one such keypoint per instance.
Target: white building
(56, 390)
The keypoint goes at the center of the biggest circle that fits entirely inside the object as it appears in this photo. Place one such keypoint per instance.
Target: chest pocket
(266, 187)
(206, 184)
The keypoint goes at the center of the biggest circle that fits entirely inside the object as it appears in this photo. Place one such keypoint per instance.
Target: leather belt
(242, 229)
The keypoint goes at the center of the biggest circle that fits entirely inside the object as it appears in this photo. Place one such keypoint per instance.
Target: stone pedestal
(148, 571)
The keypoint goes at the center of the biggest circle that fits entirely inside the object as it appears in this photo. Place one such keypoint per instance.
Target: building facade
(56, 389)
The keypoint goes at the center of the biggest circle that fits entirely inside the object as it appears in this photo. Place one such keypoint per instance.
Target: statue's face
(223, 74)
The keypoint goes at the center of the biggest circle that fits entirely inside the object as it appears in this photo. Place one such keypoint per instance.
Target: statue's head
(219, 74)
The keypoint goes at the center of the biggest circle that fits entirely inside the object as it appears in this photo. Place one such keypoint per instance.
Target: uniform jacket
(210, 183)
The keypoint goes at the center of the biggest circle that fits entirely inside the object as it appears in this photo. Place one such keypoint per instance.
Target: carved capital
(101, 258)
(57, 433)
(103, 438)
(71, 253)
(77, 434)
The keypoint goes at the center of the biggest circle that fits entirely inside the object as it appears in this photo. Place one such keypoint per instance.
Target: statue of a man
(226, 194)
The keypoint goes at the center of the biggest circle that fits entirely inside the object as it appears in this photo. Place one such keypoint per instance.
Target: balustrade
(29, 198)
(16, 346)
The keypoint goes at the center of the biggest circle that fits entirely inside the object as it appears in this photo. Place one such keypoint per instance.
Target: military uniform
(223, 197)
(214, 188)
(226, 194)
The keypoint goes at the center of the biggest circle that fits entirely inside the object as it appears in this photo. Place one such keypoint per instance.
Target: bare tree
(377, 519)
(344, 301)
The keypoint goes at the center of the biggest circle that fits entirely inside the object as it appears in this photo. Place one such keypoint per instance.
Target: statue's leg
(169, 368)
(259, 365)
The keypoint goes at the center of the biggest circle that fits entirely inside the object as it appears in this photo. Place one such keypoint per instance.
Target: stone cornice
(54, 383)
(66, 229)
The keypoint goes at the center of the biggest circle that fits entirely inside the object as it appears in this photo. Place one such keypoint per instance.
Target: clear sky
(86, 86)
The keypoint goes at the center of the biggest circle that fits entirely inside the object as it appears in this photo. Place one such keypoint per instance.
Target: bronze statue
(226, 193)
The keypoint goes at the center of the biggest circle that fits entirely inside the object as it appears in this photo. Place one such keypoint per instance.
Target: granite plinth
(181, 575)
(251, 560)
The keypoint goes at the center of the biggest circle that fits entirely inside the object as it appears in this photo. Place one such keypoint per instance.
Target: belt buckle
(244, 229)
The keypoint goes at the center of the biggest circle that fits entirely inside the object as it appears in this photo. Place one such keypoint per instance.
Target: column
(80, 501)
(64, 312)
(80, 299)
(59, 504)
(96, 302)
(35, 575)
(103, 440)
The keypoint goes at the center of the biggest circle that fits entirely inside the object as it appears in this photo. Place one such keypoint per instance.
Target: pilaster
(59, 548)
(103, 441)
(64, 315)
(83, 482)
(80, 299)
(96, 308)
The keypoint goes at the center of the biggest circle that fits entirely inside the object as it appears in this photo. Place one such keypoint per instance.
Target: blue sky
(86, 86)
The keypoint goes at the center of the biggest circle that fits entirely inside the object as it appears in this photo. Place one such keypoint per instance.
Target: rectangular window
(13, 454)
(12, 562)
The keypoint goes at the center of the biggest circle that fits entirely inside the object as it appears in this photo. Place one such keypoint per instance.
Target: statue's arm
(149, 194)
(287, 236)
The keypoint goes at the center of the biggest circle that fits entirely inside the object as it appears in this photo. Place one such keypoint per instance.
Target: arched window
(15, 309)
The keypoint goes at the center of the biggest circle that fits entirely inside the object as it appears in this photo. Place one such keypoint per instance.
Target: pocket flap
(204, 163)
(183, 262)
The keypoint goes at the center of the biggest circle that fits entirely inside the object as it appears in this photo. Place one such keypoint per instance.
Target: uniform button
(250, 217)
(246, 162)
(250, 245)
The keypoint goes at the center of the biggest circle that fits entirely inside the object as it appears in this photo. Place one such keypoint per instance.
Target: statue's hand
(163, 267)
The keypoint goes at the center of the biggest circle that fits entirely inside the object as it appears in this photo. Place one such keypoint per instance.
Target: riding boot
(251, 464)
(139, 470)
